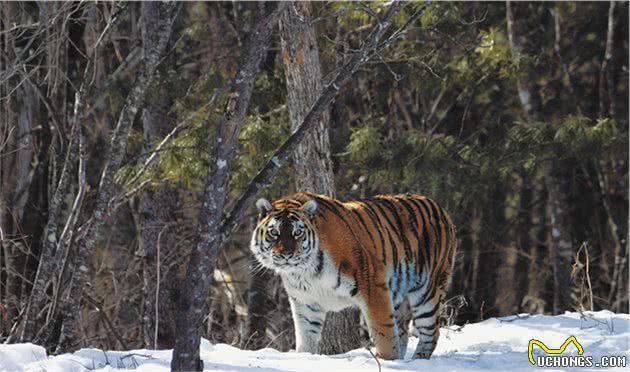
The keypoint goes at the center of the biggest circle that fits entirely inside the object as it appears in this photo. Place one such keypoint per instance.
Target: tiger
(370, 254)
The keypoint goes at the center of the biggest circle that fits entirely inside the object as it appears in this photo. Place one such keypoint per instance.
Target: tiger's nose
(283, 252)
(286, 253)
(279, 250)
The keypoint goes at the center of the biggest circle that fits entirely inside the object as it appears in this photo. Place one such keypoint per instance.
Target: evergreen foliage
(437, 112)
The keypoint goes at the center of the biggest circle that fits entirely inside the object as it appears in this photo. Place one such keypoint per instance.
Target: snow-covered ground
(496, 344)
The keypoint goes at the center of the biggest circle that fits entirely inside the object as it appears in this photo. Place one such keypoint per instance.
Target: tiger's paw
(403, 352)
(387, 354)
(422, 355)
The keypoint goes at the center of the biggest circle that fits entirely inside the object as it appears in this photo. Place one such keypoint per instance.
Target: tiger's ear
(263, 207)
(310, 207)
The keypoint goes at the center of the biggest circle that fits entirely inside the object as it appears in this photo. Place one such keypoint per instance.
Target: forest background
(115, 118)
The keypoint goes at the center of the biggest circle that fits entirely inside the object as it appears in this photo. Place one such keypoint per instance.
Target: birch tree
(555, 176)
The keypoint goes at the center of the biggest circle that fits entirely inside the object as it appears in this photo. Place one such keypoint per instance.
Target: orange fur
(384, 247)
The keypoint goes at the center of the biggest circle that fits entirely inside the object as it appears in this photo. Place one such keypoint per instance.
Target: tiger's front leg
(308, 320)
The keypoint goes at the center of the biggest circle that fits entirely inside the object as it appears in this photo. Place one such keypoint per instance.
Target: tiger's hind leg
(379, 316)
(403, 316)
(425, 310)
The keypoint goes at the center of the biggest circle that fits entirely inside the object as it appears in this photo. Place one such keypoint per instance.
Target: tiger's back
(408, 234)
(372, 254)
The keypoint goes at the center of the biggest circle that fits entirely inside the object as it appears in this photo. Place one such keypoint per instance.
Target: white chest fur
(329, 289)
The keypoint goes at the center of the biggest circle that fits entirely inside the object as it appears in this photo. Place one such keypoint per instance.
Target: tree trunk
(606, 85)
(491, 255)
(524, 240)
(562, 250)
(608, 94)
(311, 159)
(462, 282)
(49, 256)
(342, 77)
(22, 176)
(203, 257)
(18, 161)
(215, 223)
(107, 187)
(300, 54)
(555, 181)
(540, 289)
(259, 308)
(157, 208)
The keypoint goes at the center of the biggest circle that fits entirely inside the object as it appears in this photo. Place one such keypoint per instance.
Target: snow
(498, 344)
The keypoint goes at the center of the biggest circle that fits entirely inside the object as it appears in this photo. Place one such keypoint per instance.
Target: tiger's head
(285, 239)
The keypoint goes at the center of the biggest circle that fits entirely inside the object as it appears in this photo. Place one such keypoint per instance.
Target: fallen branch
(375, 358)
(99, 307)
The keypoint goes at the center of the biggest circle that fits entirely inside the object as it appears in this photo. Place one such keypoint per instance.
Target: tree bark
(607, 94)
(157, 209)
(524, 260)
(342, 77)
(606, 85)
(541, 286)
(203, 257)
(300, 55)
(19, 167)
(311, 158)
(117, 149)
(21, 176)
(53, 244)
(491, 255)
(527, 95)
(312, 119)
(216, 226)
(47, 264)
(562, 250)
(554, 175)
(29, 196)
(259, 308)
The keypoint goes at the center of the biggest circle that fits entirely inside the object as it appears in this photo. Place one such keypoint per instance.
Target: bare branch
(117, 149)
(203, 256)
(266, 175)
